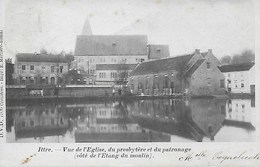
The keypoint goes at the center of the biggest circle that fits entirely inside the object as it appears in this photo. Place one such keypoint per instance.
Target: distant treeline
(246, 56)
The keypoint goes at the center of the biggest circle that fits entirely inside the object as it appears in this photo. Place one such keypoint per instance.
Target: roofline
(253, 64)
(170, 57)
(139, 35)
(114, 55)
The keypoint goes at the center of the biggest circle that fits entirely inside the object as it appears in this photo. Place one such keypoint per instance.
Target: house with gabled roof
(101, 55)
(239, 78)
(104, 55)
(195, 74)
(40, 68)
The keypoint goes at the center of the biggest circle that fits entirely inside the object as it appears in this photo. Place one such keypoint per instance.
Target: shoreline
(34, 99)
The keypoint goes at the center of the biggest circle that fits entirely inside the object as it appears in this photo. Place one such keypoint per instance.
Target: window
(222, 83)
(156, 83)
(102, 60)
(52, 69)
(113, 75)
(208, 81)
(228, 75)
(61, 69)
(31, 123)
(102, 75)
(243, 106)
(31, 80)
(31, 67)
(22, 79)
(147, 86)
(208, 65)
(166, 81)
(23, 67)
(113, 60)
(242, 84)
(52, 121)
(223, 109)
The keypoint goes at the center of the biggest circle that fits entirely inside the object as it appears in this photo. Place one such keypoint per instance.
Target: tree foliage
(73, 77)
(226, 60)
(246, 56)
(122, 74)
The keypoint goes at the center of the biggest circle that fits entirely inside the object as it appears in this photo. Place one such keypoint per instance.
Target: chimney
(197, 51)
(209, 50)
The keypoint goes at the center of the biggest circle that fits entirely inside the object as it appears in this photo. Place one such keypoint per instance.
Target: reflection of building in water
(238, 113)
(163, 119)
(107, 123)
(39, 121)
(207, 116)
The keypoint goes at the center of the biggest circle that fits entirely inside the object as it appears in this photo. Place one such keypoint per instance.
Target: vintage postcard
(129, 83)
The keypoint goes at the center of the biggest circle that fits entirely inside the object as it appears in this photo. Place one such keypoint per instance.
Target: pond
(155, 120)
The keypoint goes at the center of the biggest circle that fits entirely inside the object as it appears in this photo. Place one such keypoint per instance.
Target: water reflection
(156, 120)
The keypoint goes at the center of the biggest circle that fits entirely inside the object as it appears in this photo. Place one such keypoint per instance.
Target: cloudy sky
(227, 27)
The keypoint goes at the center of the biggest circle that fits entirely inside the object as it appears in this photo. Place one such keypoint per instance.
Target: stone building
(9, 71)
(96, 54)
(239, 78)
(194, 74)
(106, 56)
(39, 69)
(158, 51)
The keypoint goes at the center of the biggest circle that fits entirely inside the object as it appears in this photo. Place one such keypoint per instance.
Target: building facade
(239, 78)
(106, 56)
(9, 71)
(39, 69)
(158, 51)
(194, 74)
(93, 51)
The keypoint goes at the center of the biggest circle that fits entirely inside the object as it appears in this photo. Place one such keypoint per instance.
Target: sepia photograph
(129, 71)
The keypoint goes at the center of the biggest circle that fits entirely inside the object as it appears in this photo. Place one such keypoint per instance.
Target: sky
(226, 27)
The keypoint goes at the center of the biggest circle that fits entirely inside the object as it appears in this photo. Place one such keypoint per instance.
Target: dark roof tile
(30, 57)
(194, 67)
(104, 45)
(236, 67)
(160, 65)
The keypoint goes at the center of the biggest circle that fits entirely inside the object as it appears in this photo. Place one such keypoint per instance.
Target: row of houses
(100, 58)
(147, 69)
(198, 73)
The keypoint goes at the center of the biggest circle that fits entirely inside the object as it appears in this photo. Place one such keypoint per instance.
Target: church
(107, 58)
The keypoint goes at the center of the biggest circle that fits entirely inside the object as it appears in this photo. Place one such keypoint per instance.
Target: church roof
(105, 45)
